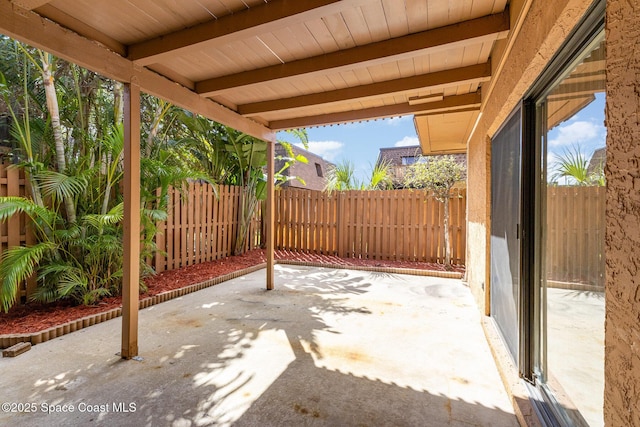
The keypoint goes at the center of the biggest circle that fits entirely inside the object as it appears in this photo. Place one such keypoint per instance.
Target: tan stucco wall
(622, 327)
(545, 27)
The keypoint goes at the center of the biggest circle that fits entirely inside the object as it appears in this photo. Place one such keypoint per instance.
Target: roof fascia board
(467, 102)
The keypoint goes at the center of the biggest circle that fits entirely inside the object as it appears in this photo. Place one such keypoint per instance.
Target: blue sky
(359, 142)
(585, 130)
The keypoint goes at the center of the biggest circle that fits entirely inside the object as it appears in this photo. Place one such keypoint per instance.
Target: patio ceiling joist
(431, 81)
(81, 28)
(466, 102)
(30, 28)
(31, 4)
(238, 26)
(491, 27)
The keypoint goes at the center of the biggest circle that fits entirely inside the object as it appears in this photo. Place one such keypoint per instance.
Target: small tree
(438, 175)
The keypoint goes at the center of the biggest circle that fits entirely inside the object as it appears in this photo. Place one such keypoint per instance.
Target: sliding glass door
(570, 117)
(547, 231)
(505, 233)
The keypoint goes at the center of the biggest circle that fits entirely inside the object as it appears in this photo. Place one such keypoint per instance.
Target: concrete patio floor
(325, 348)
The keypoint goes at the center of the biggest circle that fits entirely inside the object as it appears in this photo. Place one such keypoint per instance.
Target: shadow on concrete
(318, 350)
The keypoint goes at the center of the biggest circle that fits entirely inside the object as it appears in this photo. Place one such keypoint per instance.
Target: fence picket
(217, 212)
(198, 247)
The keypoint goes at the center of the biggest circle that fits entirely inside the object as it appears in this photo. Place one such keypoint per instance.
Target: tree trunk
(447, 243)
(54, 113)
(248, 204)
(158, 115)
(118, 102)
(118, 115)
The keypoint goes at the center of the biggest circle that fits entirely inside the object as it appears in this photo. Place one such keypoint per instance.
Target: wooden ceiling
(262, 66)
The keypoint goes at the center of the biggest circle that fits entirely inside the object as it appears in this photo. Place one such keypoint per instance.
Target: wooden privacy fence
(401, 225)
(575, 235)
(201, 226)
(14, 231)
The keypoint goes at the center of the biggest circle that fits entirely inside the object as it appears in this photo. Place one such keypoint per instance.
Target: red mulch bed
(34, 317)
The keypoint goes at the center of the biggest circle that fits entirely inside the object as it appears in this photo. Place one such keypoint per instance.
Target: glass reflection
(573, 240)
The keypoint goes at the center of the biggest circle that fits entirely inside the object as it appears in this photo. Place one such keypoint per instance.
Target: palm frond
(72, 233)
(16, 265)
(99, 221)
(45, 294)
(573, 166)
(156, 214)
(61, 185)
(94, 295)
(381, 176)
(301, 135)
(11, 205)
(72, 281)
(51, 271)
(341, 177)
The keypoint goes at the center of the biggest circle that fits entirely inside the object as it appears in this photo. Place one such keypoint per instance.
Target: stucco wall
(478, 202)
(546, 26)
(622, 327)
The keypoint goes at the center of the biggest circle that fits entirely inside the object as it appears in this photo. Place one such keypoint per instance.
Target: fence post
(13, 223)
(340, 224)
(160, 237)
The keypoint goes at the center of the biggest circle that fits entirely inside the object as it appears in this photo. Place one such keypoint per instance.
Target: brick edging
(408, 271)
(34, 338)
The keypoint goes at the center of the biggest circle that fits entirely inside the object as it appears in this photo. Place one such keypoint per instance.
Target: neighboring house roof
(394, 155)
(597, 161)
(401, 157)
(313, 172)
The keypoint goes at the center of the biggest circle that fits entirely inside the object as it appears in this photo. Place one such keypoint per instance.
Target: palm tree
(71, 148)
(82, 261)
(573, 167)
(380, 177)
(202, 144)
(342, 177)
(46, 69)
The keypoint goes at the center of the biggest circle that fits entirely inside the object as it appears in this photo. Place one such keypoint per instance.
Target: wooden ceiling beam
(75, 25)
(465, 102)
(491, 27)
(44, 34)
(157, 85)
(581, 88)
(440, 79)
(31, 28)
(30, 4)
(251, 22)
